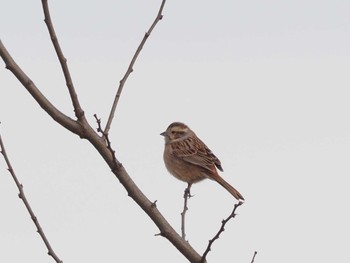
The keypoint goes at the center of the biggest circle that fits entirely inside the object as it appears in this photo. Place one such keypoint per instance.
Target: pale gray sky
(264, 83)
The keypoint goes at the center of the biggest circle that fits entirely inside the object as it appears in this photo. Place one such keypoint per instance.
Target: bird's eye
(173, 132)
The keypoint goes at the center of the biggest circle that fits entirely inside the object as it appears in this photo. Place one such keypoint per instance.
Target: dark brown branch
(130, 68)
(47, 106)
(187, 195)
(85, 131)
(222, 229)
(254, 257)
(22, 196)
(166, 230)
(79, 113)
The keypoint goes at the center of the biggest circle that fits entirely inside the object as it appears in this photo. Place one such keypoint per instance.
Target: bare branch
(22, 196)
(106, 137)
(63, 61)
(57, 115)
(102, 145)
(187, 195)
(150, 208)
(130, 68)
(222, 229)
(255, 252)
(84, 130)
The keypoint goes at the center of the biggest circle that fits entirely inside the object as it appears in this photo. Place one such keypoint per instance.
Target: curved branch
(130, 68)
(23, 197)
(44, 103)
(84, 130)
(63, 61)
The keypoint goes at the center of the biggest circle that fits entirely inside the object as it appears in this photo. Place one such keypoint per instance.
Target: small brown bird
(188, 159)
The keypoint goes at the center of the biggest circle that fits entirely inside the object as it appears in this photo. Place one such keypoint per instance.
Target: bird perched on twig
(188, 159)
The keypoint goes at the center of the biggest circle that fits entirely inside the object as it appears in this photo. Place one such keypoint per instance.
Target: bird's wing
(194, 151)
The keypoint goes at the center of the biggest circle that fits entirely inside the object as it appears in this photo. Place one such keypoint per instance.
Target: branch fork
(81, 127)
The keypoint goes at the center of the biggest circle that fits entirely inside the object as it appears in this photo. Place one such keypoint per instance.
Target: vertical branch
(130, 68)
(22, 196)
(79, 113)
(187, 195)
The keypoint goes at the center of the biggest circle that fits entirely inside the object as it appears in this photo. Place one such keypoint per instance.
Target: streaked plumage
(189, 159)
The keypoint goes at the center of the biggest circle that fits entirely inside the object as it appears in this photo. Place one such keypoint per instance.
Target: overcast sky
(265, 84)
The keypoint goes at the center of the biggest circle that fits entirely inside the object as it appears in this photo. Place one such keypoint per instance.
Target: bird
(188, 159)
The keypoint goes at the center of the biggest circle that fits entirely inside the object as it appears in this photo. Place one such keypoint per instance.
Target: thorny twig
(222, 229)
(106, 138)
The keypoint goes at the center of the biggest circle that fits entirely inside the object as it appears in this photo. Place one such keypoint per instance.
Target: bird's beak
(163, 134)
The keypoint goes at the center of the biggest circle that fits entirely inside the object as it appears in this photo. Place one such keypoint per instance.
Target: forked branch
(23, 197)
(44, 103)
(84, 130)
(99, 143)
(130, 68)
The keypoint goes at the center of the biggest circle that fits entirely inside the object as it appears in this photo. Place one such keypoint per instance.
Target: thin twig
(187, 195)
(255, 252)
(22, 196)
(222, 229)
(130, 68)
(79, 113)
(108, 142)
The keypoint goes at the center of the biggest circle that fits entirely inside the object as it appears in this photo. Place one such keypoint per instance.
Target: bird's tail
(228, 187)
